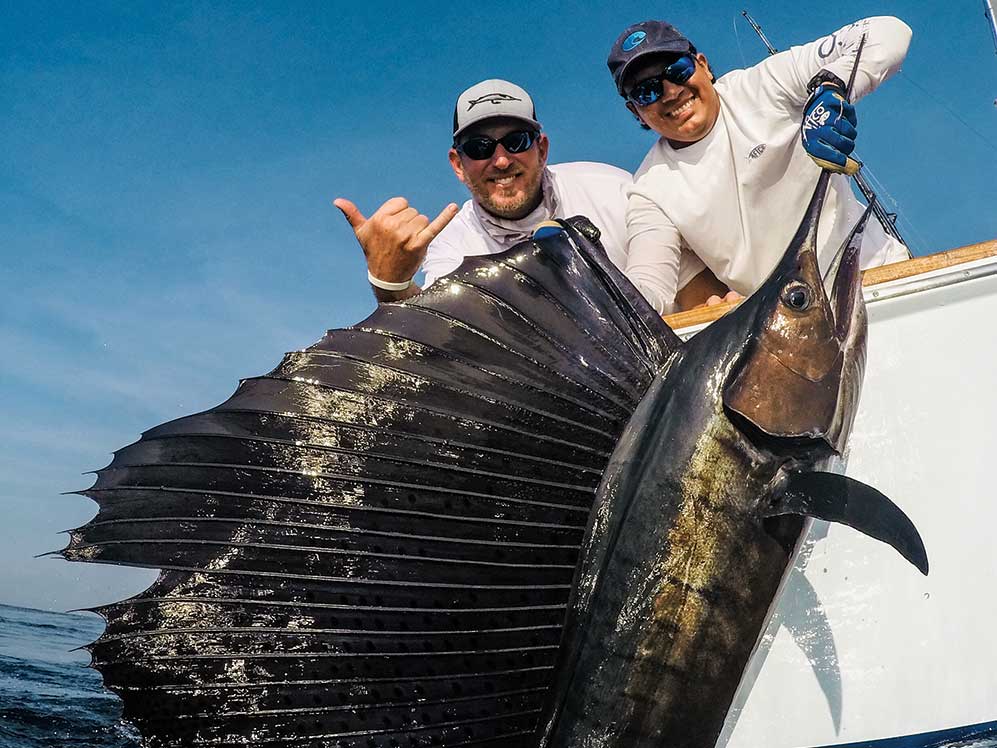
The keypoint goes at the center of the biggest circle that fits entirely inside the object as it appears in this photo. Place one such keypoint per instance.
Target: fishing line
(924, 247)
(744, 62)
(934, 97)
(890, 201)
(880, 188)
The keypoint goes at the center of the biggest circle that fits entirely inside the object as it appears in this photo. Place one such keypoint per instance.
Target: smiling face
(507, 185)
(685, 112)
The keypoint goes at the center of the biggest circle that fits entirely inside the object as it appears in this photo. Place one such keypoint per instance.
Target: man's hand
(394, 239)
(729, 298)
(828, 130)
(702, 291)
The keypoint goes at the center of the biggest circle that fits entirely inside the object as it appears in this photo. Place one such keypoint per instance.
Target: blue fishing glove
(828, 131)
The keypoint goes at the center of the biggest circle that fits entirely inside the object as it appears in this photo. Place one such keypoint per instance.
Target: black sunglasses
(649, 90)
(482, 147)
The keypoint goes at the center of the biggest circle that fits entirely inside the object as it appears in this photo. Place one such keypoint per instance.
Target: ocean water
(48, 695)
(49, 698)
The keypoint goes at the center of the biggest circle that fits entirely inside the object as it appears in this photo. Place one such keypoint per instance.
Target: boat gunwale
(692, 320)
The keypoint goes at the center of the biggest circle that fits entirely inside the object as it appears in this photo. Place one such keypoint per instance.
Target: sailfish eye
(797, 296)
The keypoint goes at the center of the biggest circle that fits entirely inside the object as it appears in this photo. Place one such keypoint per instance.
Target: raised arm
(813, 78)
(887, 39)
(394, 241)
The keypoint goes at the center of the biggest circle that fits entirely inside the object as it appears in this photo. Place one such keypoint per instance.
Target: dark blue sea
(49, 697)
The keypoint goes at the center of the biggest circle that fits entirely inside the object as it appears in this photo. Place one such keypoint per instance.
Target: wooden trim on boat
(925, 264)
(871, 277)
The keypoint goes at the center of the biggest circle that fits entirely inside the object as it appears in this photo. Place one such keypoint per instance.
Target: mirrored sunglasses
(649, 90)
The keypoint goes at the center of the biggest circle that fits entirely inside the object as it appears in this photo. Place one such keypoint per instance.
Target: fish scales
(704, 502)
(709, 601)
(679, 604)
(375, 544)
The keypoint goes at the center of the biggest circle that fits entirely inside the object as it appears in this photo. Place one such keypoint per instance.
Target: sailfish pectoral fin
(838, 498)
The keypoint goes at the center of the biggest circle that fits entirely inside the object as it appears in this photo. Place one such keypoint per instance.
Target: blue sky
(167, 172)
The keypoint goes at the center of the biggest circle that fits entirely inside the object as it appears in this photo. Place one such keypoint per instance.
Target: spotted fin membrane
(372, 546)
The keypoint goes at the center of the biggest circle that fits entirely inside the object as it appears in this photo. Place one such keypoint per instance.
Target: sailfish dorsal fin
(376, 540)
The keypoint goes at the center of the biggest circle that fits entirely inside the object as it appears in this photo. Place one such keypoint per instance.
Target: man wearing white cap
(500, 154)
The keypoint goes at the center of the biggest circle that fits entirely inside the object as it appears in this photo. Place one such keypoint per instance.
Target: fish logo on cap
(634, 40)
(492, 98)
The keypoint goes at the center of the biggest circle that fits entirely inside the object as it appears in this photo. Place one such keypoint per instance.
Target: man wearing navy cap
(738, 157)
(500, 154)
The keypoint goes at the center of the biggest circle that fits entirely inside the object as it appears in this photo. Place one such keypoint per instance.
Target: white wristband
(388, 285)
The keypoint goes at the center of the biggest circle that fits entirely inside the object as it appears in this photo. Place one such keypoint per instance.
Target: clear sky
(167, 169)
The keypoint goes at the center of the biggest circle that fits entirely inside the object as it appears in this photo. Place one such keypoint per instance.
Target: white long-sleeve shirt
(736, 197)
(596, 191)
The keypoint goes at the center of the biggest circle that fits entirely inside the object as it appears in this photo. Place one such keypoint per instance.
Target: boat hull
(859, 650)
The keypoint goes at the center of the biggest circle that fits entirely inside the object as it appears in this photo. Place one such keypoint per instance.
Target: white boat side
(861, 649)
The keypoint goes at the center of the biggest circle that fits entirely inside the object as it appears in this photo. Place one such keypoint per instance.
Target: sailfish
(696, 520)
(515, 510)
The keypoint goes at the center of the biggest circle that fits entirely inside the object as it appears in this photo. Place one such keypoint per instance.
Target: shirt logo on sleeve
(827, 45)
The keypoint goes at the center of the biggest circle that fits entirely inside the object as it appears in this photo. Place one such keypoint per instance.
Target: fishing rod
(988, 12)
(887, 220)
(761, 34)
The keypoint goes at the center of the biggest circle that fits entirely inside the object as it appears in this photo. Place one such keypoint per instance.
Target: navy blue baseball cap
(642, 39)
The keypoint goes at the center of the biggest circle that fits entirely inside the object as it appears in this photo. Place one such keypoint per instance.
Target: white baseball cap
(493, 98)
